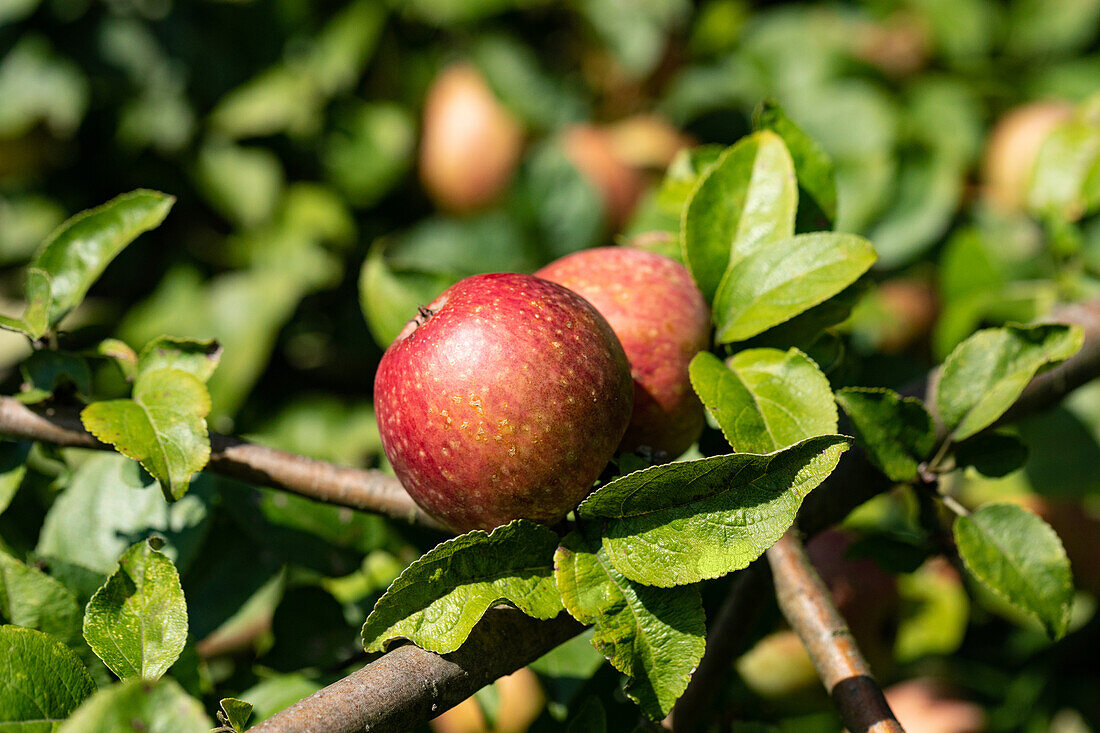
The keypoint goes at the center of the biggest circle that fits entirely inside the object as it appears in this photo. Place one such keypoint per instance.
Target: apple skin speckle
(484, 419)
(662, 321)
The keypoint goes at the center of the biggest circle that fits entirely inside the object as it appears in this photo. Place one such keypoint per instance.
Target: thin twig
(364, 489)
(808, 607)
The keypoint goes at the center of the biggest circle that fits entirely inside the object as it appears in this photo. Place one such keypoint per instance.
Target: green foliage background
(288, 132)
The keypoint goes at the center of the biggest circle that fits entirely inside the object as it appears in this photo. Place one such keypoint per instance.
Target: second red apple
(662, 320)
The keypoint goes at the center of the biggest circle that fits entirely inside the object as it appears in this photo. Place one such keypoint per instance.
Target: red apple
(471, 143)
(662, 320)
(503, 399)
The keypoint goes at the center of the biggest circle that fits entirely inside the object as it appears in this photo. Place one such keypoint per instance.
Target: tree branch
(406, 686)
(364, 489)
(808, 607)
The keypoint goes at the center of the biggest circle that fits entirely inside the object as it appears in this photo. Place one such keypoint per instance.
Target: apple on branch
(504, 398)
(662, 321)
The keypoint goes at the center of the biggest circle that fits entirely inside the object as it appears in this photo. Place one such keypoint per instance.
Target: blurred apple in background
(470, 144)
(1012, 149)
(910, 307)
(520, 699)
(621, 159)
(924, 705)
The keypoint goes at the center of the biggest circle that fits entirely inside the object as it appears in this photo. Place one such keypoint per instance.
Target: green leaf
(1019, 557)
(1066, 161)
(199, 358)
(235, 713)
(139, 705)
(121, 354)
(437, 600)
(985, 374)
(765, 399)
(896, 432)
(694, 520)
(35, 321)
(785, 278)
(370, 150)
(110, 504)
(13, 467)
(656, 636)
(663, 209)
(46, 370)
(245, 184)
(590, 718)
(163, 427)
(994, 454)
(137, 622)
(41, 681)
(79, 251)
(812, 164)
(389, 298)
(935, 612)
(32, 599)
(745, 200)
(927, 199)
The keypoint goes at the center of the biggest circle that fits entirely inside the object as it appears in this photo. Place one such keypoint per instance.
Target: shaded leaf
(198, 358)
(34, 600)
(438, 599)
(45, 370)
(163, 427)
(693, 520)
(79, 251)
(35, 320)
(896, 432)
(777, 282)
(765, 399)
(140, 705)
(993, 454)
(985, 374)
(109, 505)
(656, 636)
(590, 718)
(137, 622)
(746, 199)
(812, 164)
(1019, 557)
(41, 681)
(13, 467)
